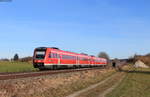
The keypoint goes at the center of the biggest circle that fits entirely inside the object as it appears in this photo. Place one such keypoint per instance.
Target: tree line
(29, 58)
(16, 58)
(145, 58)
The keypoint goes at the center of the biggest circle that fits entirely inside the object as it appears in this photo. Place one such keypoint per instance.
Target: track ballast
(17, 75)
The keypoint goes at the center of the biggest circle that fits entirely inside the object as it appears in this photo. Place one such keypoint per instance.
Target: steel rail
(17, 75)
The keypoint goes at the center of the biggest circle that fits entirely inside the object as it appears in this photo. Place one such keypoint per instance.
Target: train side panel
(48, 57)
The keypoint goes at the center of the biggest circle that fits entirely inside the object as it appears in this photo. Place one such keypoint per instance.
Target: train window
(73, 57)
(84, 59)
(65, 57)
(53, 55)
(68, 57)
(50, 55)
(97, 60)
(40, 54)
(58, 56)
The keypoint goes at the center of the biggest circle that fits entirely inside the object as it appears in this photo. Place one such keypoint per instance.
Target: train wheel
(74, 66)
(55, 67)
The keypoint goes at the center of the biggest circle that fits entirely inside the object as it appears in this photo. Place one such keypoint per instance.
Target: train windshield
(40, 54)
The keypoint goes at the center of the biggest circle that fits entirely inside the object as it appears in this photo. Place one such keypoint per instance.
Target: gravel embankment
(57, 85)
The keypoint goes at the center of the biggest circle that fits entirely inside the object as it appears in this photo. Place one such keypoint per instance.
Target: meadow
(135, 84)
(16, 66)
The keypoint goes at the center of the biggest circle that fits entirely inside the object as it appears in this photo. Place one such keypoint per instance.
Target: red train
(54, 58)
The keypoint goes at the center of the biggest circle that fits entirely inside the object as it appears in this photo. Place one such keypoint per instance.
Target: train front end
(39, 57)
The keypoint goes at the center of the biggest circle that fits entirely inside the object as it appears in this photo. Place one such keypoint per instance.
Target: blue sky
(119, 27)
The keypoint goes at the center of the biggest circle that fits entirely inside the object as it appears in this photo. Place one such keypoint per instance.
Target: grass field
(101, 88)
(16, 67)
(135, 84)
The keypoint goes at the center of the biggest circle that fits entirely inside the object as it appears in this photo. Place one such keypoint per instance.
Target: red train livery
(54, 58)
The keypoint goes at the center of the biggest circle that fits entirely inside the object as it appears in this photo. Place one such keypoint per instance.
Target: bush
(5, 59)
(26, 59)
(145, 58)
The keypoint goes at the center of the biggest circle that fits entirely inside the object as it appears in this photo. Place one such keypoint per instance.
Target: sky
(121, 28)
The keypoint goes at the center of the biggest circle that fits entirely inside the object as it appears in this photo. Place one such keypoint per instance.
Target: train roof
(41, 48)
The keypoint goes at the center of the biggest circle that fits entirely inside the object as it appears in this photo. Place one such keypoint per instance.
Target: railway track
(6, 76)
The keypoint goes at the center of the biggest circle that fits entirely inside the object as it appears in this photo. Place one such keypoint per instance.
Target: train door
(77, 61)
(92, 61)
(54, 58)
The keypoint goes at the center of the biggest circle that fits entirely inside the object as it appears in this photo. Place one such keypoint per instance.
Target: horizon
(119, 28)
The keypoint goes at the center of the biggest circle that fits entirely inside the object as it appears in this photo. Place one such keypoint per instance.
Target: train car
(54, 58)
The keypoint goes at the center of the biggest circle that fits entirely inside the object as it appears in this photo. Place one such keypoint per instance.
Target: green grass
(16, 67)
(95, 92)
(135, 84)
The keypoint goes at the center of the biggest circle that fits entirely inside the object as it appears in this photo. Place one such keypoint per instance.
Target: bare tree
(104, 55)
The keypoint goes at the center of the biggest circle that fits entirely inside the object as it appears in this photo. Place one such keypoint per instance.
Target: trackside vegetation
(16, 66)
(74, 83)
(135, 84)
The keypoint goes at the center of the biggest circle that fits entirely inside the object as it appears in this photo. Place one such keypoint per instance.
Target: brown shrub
(145, 59)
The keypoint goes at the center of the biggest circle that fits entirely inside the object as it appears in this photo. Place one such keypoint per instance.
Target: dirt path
(76, 94)
(111, 88)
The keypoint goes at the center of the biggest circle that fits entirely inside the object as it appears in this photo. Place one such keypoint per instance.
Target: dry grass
(135, 84)
(58, 85)
(97, 91)
(75, 83)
